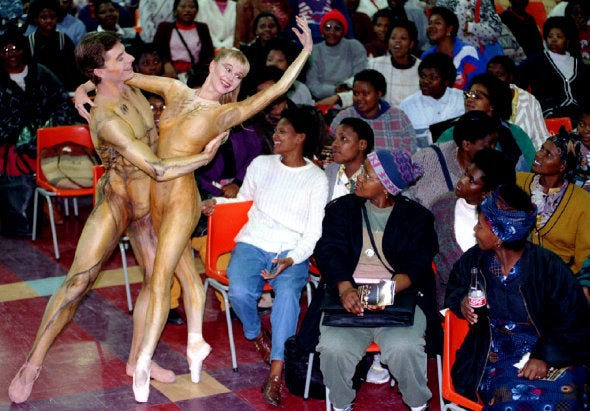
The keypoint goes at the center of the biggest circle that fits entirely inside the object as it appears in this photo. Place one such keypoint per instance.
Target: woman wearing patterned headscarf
(531, 354)
(403, 242)
(564, 208)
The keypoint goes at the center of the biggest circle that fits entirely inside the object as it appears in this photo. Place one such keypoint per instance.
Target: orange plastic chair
(98, 171)
(539, 13)
(48, 137)
(455, 330)
(553, 124)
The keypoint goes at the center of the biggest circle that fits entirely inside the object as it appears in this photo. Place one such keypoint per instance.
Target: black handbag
(400, 314)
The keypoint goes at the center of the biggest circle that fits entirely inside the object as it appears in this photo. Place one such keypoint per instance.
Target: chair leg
(308, 290)
(52, 224)
(230, 331)
(75, 201)
(439, 376)
(328, 405)
(35, 210)
(126, 273)
(308, 376)
(67, 207)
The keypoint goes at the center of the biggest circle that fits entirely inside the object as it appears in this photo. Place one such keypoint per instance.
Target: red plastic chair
(539, 13)
(455, 330)
(553, 124)
(48, 137)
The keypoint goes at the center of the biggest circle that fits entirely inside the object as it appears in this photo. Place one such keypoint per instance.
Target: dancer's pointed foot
(141, 379)
(157, 373)
(196, 353)
(22, 383)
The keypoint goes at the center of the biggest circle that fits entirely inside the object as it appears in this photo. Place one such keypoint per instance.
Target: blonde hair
(241, 58)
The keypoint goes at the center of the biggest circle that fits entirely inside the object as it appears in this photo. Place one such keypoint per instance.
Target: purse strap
(366, 218)
(190, 54)
(443, 165)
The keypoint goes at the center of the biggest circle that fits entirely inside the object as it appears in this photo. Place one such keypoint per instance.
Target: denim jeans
(245, 289)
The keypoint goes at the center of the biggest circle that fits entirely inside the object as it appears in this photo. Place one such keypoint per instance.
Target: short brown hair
(91, 51)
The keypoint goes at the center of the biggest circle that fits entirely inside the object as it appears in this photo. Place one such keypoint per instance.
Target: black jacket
(555, 304)
(409, 245)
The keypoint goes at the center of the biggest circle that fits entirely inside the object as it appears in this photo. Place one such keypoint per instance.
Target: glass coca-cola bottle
(478, 301)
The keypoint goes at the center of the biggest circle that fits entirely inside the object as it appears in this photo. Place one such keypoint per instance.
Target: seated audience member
(361, 22)
(404, 237)
(445, 163)
(31, 97)
(392, 127)
(437, 100)
(184, 44)
(489, 94)
(529, 350)
(247, 12)
(281, 53)
(526, 110)
(557, 76)
(88, 16)
(280, 232)
(523, 26)
(443, 27)
(381, 22)
(479, 26)
(579, 12)
(455, 213)
(411, 11)
(564, 208)
(66, 23)
(220, 17)
(336, 59)
(582, 135)
(314, 12)
(148, 61)
(107, 16)
(50, 47)
(353, 140)
(399, 67)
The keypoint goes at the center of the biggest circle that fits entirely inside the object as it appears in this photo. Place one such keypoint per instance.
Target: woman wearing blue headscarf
(533, 345)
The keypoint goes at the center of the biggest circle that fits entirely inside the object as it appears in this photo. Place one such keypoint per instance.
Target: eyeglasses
(10, 50)
(366, 176)
(333, 27)
(476, 95)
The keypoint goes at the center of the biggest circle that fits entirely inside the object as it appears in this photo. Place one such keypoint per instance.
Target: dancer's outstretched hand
(304, 33)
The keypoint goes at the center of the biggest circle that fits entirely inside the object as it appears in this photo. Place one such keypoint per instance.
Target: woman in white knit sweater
(289, 193)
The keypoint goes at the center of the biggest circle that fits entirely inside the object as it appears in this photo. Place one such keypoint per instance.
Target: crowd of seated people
(387, 72)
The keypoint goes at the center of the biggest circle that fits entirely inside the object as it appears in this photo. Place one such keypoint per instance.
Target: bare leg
(194, 302)
(97, 241)
(143, 241)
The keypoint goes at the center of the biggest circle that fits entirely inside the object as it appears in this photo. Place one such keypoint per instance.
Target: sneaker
(377, 374)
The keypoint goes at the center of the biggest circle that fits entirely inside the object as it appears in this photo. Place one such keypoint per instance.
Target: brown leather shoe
(263, 345)
(271, 390)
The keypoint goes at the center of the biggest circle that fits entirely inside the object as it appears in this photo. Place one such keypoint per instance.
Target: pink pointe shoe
(20, 390)
(196, 354)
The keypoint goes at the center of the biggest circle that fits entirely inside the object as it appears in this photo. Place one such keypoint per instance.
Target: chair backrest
(455, 332)
(553, 124)
(51, 136)
(224, 224)
(537, 9)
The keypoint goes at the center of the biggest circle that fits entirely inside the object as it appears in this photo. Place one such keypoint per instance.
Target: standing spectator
(31, 96)
(220, 16)
(391, 126)
(443, 27)
(151, 14)
(437, 100)
(184, 44)
(50, 47)
(523, 26)
(557, 76)
(336, 59)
